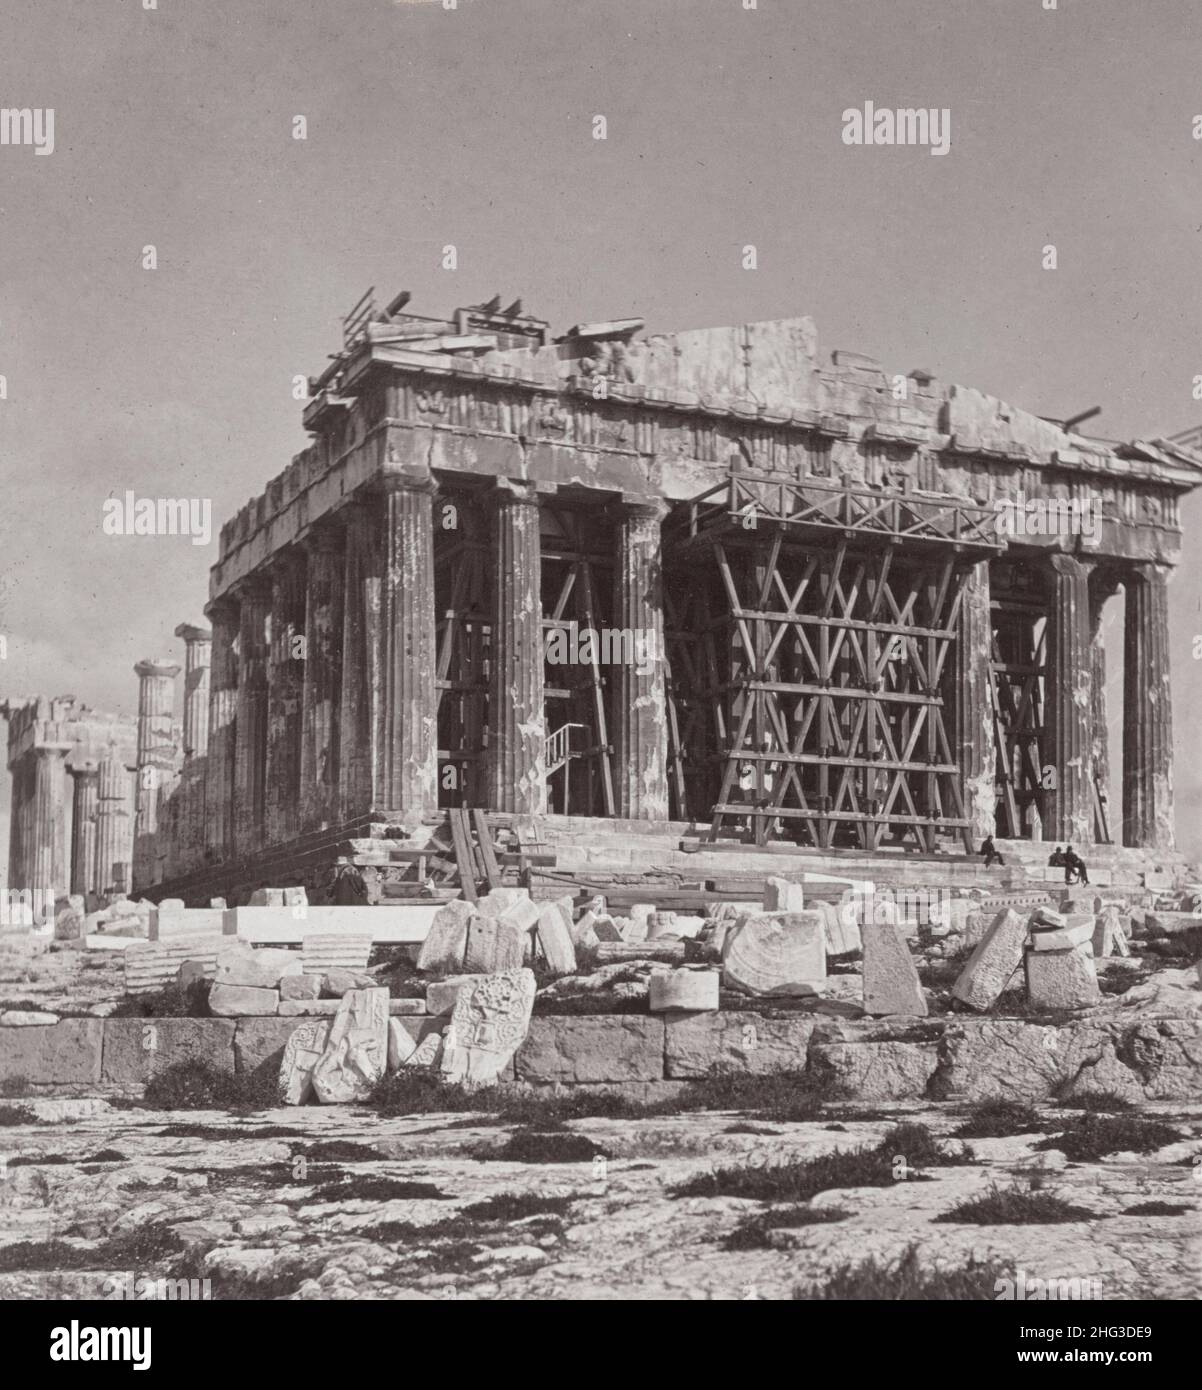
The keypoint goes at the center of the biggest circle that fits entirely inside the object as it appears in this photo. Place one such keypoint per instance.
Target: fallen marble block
(775, 954)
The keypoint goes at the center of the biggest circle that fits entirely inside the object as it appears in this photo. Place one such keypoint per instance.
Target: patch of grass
(1158, 1209)
(393, 967)
(338, 1151)
(514, 1206)
(17, 1115)
(219, 1133)
(535, 1146)
(37, 1160)
(194, 1085)
(1099, 1102)
(904, 1280)
(997, 1119)
(139, 1249)
(412, 1091)
(375, 1188)
(744, 1128)
(755, 1232)
(15, 1087)
(1014, 1206)
(106, 1156)
(169, 1002)
(904, 1148)
(780, 1095)
(1094, 1136)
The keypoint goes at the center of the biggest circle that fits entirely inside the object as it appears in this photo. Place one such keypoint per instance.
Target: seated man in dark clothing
(989, 851)
(1074, 867)
(1057, 859)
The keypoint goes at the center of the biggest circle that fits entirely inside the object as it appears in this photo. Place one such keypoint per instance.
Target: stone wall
(958, 1058)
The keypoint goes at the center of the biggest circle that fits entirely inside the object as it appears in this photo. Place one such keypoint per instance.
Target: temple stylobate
(708, 579)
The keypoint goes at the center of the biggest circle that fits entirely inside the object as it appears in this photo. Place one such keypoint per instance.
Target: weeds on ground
(1094, 1136)
(17, 1115)
(998, 1119)
(139, 1249)
(755, 1233)
(1014, 1206)
(194, 1085)
(904, 1280)
(1101, 1102)
(904, 1149)
(537, 1146)
(370, 1187)
(1158, 1209)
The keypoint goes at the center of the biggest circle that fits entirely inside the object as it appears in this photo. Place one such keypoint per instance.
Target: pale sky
(174, 126)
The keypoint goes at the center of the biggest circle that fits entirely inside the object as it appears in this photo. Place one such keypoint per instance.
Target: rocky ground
(340, 1202)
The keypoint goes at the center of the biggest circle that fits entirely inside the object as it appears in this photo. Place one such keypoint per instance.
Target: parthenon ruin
(704, 579)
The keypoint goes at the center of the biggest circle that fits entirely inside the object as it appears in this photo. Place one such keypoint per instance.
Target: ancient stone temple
(710, 579)
(71, 825)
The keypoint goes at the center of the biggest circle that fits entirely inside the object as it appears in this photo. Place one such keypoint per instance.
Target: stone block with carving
(304, 1049)
(555, 940)
(775, 954)
(356, 1053)
(488, 1025)
(493, 944)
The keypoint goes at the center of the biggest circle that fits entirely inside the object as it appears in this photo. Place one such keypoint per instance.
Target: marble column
(223, 728)
(517, 720)
(198, 642)
(360, 718)
(156, 761)
(410, 695)
(640, 707)
(1068, 813)
(86, 776)
(285, 678)
(1147, 711)
(322, 680)
(19, 798)
(46, 861)
(113, 828)
(188, 841)
(250, 765)
(1103, 584)
(971, 729)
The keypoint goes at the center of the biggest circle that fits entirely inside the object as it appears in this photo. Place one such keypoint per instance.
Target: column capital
(406, 477)
(1071, 566)
(223, 609)
(154, 666)
(642, 508)
(255, 588)
(191, 633)
(85, 767)
(511, 491)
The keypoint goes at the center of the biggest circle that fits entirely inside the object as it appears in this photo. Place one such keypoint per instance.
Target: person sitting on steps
(1074, 867)
(989, 851)
(1057, 859)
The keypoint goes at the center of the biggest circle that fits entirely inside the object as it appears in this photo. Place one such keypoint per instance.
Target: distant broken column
(410, 695)
(223, 709)
(189, 811)
(517, 727)
(86, 776)
(113, 843)
(640, 704)
(975, 746)
(1068, 816)
(1147, 711)
(322, 681)
(156, 759)
(47, 872)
